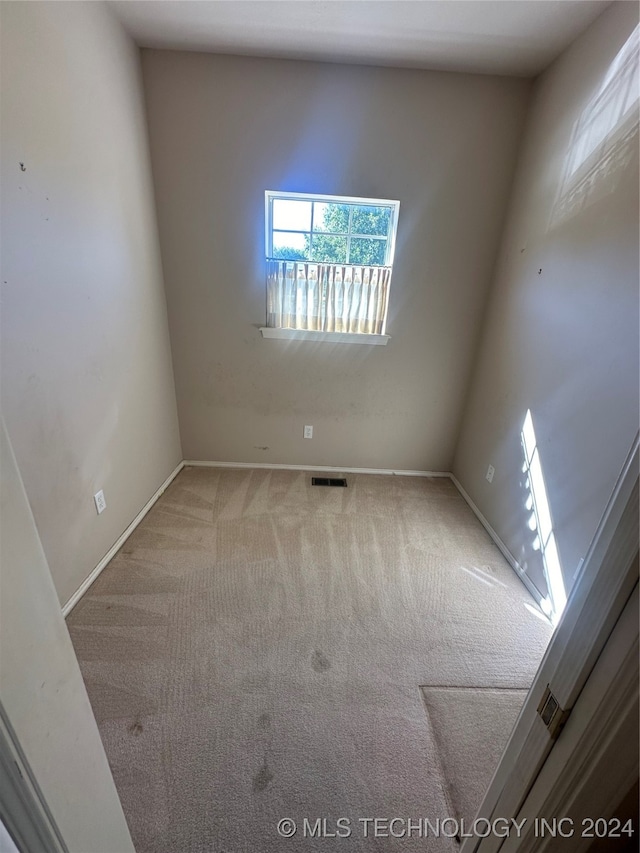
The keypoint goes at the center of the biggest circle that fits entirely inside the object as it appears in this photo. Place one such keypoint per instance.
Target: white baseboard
(334, 468)
(506, 553)
(84, 586)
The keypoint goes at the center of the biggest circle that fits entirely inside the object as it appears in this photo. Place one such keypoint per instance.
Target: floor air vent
(328, 481)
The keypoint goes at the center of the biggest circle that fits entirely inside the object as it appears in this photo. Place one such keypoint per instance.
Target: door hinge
(553, 716)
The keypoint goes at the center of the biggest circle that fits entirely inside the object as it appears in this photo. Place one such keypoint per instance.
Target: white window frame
(272, 195)
(323, 198)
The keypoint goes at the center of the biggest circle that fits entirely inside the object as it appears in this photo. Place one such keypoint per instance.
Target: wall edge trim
(93, 575)
(193, 463)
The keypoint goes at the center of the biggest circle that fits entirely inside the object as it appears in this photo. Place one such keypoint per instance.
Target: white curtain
(327, 297)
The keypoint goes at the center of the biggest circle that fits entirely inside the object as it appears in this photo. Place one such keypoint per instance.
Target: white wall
(561, 331)
(223, 130)
(41, 685)
(87, 383)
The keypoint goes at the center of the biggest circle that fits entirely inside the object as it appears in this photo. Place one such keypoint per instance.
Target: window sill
(326, 337)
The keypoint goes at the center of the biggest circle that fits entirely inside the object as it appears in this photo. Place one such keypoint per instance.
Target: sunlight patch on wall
(541, 524)
(604, 139)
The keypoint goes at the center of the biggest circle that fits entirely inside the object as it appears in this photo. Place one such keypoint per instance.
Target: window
(329, 261)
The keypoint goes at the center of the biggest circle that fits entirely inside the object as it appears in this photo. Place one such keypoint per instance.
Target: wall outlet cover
(100, 501)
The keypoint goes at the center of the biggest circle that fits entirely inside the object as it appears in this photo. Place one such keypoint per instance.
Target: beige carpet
(256, 652)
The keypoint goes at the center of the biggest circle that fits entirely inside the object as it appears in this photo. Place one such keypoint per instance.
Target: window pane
(289, 245)
(291, 215)
(331, 217)
(365, 251)
(329, 249)
(371, 220)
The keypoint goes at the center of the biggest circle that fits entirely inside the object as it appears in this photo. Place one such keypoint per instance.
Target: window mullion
(313, 224)
(349, 233)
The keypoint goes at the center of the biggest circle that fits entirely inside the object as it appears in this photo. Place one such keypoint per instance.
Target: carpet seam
(470, 687)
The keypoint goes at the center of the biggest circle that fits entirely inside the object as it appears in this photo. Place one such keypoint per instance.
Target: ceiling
(519, 37)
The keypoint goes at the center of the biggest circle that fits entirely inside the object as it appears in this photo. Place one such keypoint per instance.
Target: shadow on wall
(604, 138)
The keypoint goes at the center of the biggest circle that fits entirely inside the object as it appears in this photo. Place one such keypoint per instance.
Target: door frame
(594, 763)
(23, 808)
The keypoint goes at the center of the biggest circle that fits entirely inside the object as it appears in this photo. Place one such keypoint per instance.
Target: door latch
(553, 716)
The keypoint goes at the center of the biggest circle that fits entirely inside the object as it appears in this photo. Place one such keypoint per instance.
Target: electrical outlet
(490, 472)
(308, 432)
(100, 501)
